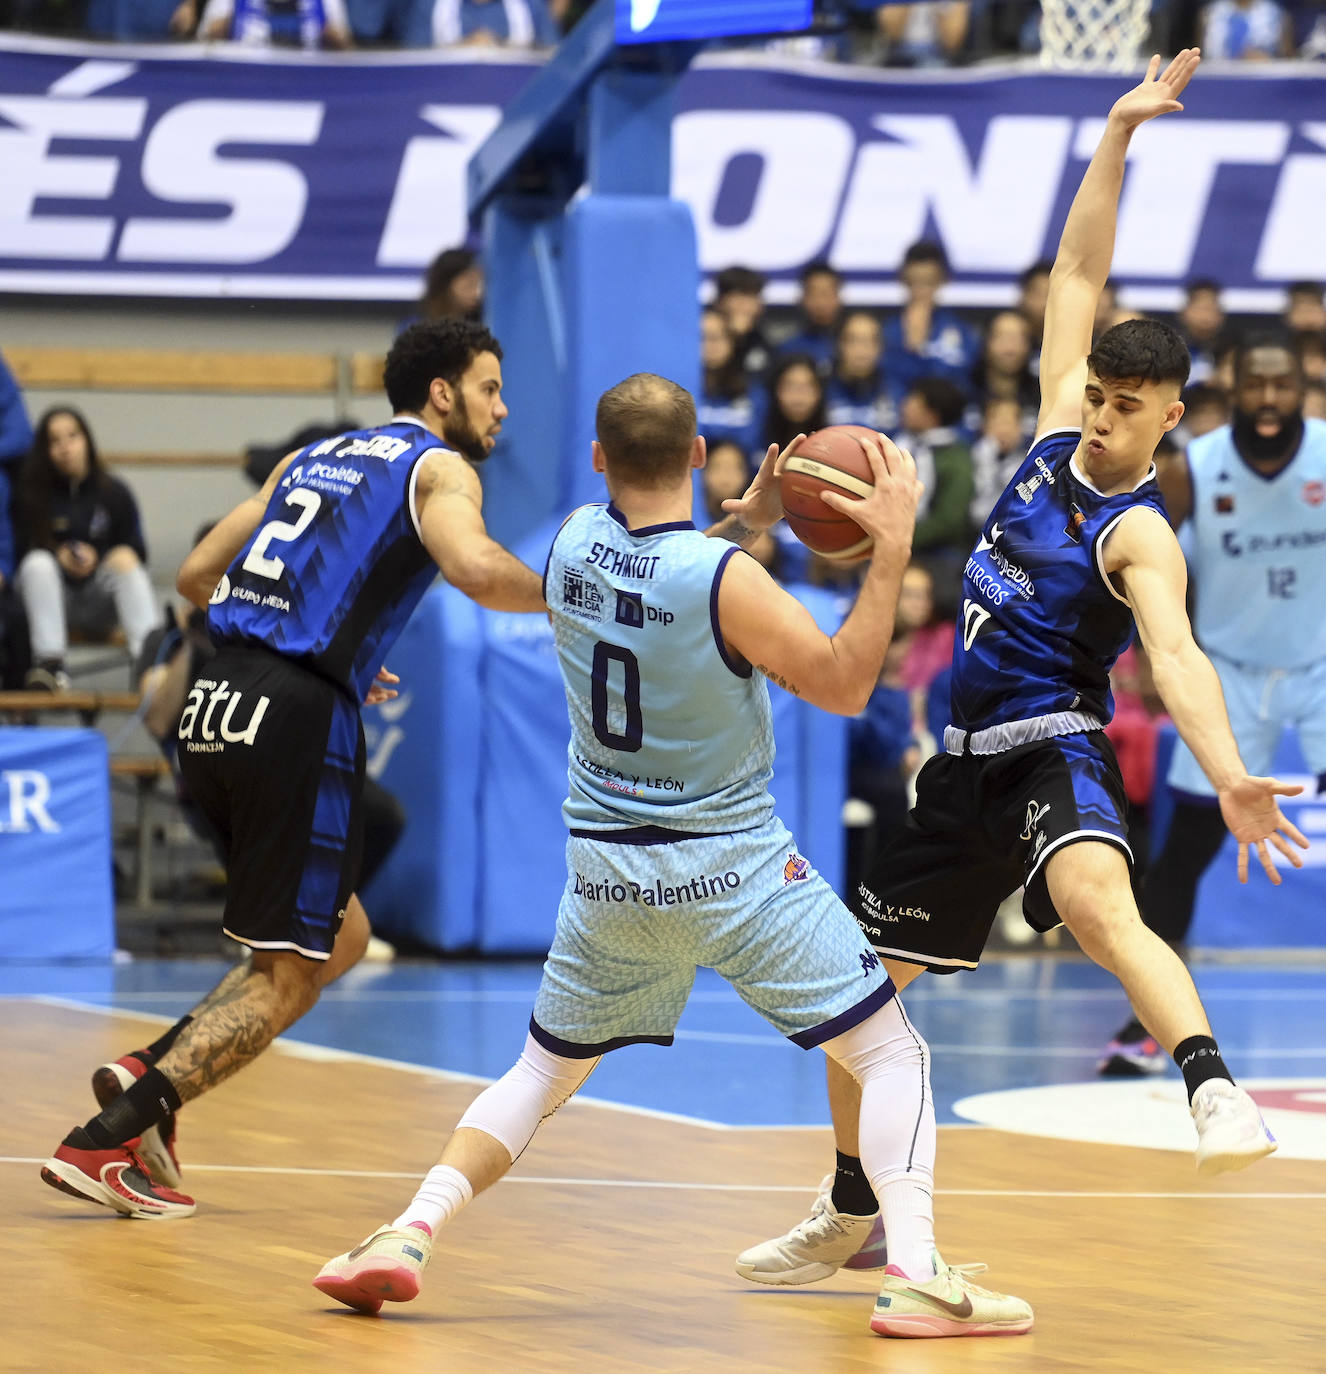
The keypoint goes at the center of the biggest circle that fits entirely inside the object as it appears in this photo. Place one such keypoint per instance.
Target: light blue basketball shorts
(1261, 702)
(636, 920)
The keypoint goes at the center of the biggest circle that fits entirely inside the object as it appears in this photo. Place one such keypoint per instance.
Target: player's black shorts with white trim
(984, 825)
(273, 755)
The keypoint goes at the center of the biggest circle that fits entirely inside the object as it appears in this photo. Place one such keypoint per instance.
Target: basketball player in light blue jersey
(1027, 791)
(1254, 495)
(675, 858)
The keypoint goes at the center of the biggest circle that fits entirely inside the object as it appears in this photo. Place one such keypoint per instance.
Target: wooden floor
(1129, 1263)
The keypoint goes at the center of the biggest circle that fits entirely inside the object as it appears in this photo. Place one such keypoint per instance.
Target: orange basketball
(828, 460)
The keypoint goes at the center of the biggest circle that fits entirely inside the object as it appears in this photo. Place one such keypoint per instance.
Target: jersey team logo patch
(1314, 493)
(796, 869)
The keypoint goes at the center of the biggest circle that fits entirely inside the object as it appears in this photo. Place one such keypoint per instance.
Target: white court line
(770, 1040)
(669, 1186)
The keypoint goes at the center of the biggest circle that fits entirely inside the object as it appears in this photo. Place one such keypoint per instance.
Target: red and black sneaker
(116, 1177)
(157, 1148)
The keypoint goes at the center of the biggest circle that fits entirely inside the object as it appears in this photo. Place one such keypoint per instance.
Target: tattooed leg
(250, 1007)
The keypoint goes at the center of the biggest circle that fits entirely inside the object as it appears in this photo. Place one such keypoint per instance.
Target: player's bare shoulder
(1141, 537)
(444, 474)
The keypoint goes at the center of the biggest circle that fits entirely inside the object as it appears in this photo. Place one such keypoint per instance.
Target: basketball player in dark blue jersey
(307, 584)
(1027, 792)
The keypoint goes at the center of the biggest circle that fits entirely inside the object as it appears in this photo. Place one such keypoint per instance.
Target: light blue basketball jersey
(1258, 552)
(666, 729)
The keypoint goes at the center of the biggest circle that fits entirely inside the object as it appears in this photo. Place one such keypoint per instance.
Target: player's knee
(885, 1042)
(121, 559)
(1100, 922)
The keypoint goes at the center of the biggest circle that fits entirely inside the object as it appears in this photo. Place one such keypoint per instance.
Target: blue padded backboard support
(583, 289)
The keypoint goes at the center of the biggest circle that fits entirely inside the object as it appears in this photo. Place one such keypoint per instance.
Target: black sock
(852, 1192)
(140, 1106)
(1199, 1059)
(158, 1047)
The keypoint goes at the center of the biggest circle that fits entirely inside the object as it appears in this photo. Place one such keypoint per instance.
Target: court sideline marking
(661, 1184)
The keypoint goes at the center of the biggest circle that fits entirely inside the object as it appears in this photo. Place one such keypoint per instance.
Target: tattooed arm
(750, 515)
(449, 501)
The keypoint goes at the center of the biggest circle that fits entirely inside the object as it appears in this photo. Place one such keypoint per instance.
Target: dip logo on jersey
(580, 596)
(204, 710)
(796, 869)
(1314, 493)
(1035, 814)
(632, 611)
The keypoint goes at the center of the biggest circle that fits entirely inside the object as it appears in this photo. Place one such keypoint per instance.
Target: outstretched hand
(761, 505)
(1254, 817)
(376, 694)
(1157, 95)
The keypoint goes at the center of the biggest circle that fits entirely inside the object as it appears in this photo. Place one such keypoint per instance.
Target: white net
(1093, 35)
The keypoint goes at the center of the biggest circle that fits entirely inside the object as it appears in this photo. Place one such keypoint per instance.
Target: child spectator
(856, 393)
(930, 414)
(997, 454)
(729, 406)
(924, 339)
(1003, 371)
(82, 552)
(820, 310)
(739, 298)
(1201, 321)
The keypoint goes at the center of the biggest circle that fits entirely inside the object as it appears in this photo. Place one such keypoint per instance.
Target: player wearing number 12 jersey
(309, 582)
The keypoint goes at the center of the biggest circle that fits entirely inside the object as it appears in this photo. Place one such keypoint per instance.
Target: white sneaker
(1230, 1131)
(819, 1246)
(949, 1304)
(387, 1267)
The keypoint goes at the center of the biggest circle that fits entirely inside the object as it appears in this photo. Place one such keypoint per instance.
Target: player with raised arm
(675, 858)
(307, 584)
(1027, 793)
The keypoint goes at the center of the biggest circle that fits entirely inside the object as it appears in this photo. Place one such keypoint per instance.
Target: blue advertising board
(209, 172)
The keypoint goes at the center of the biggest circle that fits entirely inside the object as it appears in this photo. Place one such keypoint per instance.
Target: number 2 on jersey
(282, 531)
(605, 655)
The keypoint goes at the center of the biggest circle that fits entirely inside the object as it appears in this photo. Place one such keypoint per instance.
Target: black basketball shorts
(273, 756)
(983, 826)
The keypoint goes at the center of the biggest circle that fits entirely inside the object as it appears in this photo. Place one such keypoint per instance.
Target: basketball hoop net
(1093, 35)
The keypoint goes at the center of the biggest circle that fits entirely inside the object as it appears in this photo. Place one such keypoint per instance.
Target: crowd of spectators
(961, 392)
(925, 34)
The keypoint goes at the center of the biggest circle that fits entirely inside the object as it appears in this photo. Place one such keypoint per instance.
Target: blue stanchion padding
(424, 747)
(56, 893)
(1258, 915)
(632, 305)
(478, 758)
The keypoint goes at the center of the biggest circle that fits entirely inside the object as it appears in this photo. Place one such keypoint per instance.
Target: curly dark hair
(429, 349)
(1143, 349)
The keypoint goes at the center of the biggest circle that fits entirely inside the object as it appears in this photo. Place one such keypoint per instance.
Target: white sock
(441, 1195)
(897, 1133)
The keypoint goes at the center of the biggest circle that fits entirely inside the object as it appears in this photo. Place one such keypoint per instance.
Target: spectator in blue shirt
(493, 23)
(1003, 371)
(1201, 321)
(138, 20)
(821, 309)
(730, 405)
(924, 339)
(856, 392)
(739, 298)
(1033, 292)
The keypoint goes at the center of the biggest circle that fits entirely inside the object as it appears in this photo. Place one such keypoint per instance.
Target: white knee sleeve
(531, 1091)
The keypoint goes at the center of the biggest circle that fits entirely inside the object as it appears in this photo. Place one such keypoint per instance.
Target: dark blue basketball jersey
(1041, 623)
(331, 575)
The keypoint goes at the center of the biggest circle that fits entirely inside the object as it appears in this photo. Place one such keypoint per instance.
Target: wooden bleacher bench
(338, 376)
(89, 705)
